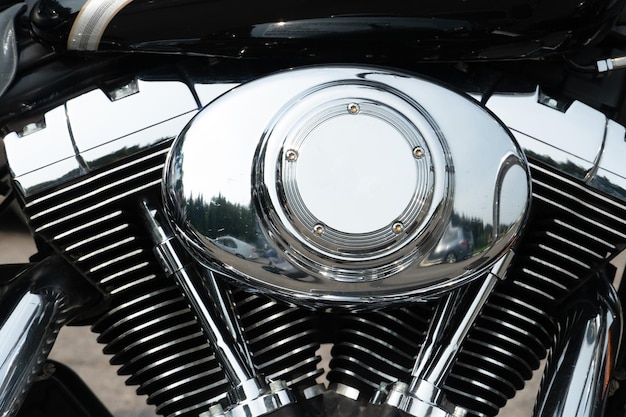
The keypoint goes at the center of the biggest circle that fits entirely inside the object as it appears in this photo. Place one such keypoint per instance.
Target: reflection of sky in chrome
(514, 195)
(478, 145)
(96, 120)
(478, 202)
(212, 166)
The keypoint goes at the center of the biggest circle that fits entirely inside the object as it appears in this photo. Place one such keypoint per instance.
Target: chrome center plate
(347, 179)
(354, 174)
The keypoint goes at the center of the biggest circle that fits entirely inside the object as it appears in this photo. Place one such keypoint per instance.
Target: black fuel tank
(426, 30)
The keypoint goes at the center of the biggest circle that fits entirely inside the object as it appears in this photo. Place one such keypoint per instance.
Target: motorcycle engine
(257, 217)
(352, 176)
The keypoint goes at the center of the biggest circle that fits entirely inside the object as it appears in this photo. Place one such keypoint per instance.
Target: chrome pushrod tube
(423, 396)
(580, 365)
(440, 361)
(251, 394)
(440, 322)
(225, 308)
(236, 367)
(34, 305)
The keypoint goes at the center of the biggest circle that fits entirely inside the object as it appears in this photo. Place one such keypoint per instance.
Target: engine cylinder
(283, 340)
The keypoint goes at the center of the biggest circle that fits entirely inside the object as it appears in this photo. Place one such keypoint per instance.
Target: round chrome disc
(348, 173)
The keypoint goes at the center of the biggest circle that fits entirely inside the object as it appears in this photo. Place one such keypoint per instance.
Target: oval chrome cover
(346, 185)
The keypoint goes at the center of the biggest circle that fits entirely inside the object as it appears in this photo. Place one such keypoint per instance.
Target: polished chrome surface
(352, 179)
(439, 324)
(254, 398)
(52, 138)
(27, 333)
(576, 134)
(443, 359)
(208, 92)
(577, 376)
(575, 139)
(574, 234)
(20, 333)
(610, 175)
(71, 142)
(35, 301)
(152, 103)
(92, 130)
(429, 402)
(225, 308)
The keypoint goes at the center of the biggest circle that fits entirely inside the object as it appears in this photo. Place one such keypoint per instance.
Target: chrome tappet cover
(348, 185)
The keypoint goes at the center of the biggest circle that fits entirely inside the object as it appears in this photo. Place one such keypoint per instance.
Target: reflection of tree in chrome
(220, 217)
(481, 232)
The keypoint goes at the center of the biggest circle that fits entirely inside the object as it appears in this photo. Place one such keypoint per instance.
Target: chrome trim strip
(91, 22)
(576, 379)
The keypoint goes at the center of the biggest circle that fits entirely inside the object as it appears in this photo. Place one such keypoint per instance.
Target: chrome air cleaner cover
(348, 185)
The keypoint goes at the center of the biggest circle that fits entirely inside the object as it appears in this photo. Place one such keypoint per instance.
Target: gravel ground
(77, 348)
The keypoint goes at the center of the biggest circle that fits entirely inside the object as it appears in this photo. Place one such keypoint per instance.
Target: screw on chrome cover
(418, 152)
(397, 227)
(318, 229)
(353, 108)
(291, 155)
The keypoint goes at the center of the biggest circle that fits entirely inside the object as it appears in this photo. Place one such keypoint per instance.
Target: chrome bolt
(214, 411)
(418, 153)
(397, 227)
(353, 108)
(291, 155)
(276, 386)
(318, 229)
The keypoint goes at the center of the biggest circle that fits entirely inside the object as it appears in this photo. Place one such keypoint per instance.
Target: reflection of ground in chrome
(77, 348)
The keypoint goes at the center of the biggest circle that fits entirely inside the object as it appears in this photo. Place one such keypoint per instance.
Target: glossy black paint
(62, 393)
(428, 30)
